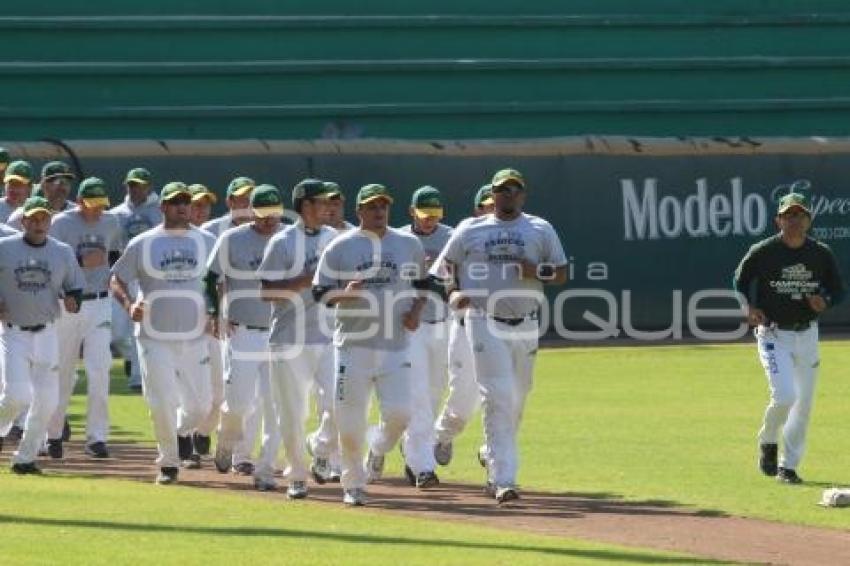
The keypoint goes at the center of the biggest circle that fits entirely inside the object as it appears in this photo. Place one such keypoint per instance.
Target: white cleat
(354, 497)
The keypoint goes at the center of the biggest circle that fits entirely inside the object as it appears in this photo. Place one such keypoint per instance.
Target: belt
(93, 296)
(795, 326)
(438, 321)
(514, 321)
(250, 327)
(35, 328)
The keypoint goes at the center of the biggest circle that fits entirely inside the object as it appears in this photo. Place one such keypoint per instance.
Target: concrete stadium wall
(647, 222)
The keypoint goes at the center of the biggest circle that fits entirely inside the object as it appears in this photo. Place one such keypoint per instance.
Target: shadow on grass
(607, 556)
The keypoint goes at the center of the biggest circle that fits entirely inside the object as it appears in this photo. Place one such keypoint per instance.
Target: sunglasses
(507, 188)
(58, 181)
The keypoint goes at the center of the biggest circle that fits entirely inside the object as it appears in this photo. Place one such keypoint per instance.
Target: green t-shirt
(777, 278)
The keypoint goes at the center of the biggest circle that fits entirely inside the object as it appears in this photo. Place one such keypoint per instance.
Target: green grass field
(674, 424)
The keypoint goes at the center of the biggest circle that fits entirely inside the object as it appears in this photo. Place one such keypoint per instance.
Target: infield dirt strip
(597, 516)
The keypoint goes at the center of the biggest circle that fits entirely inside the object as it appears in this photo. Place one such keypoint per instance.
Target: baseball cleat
(427, 480)
(321, 470)
(97, 450)
(223, 457)
(202, 444)
(54, 448)
(354, 497)
(336, 475)
(787, 475)
(184, 447)
(506, 493)
(167, 476)
(193, 462)
(409, 475)
(297, 490)
(374, 466)
(443, 453)
(25, 468)
(244, 469)
(262, 484)
(768, 459)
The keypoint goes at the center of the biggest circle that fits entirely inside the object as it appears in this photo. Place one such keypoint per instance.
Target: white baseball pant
(463, 397)
(210, 422)
(31, 367)
(428, 353)
(358, 371)
(790, 360)
(176, 386)
(504, 357)
(91, 328)
(245, 360)
(294, 370)
(271, 437)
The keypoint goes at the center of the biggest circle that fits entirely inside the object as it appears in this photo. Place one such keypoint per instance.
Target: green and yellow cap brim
(423, 213)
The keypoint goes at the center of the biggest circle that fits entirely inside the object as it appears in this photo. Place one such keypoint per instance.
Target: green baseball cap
(793, 200)
(334, 190)
(93, 193)
(240, 186)
(138, 175)
(53, 169)
(200, 191)
(18, 171)
(373, 191)
(484, 196)
(504, 176)
(311, 188)
(266, 201)
(427, 202)
(34, 205)
(173, 190)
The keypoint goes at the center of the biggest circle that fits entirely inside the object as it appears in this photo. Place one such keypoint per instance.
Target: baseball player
(57, 179)
(168, 263)
(301, 354)
(238, 202)
(34, 271)
(501, 262)
(787, 281)
(139, 212)
(369, 275)
(235, 260)
(95, 238)
(463, 398)
(18, 184)
(335, 209)
(428, 345)
(203, 200)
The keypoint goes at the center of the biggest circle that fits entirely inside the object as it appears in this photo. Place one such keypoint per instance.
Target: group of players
(236, 320)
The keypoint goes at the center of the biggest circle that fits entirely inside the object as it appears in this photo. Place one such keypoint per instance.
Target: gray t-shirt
(388, 265)
(217, 226)
(486, 253)
(7, 231)
(169, 267)
(236, 256)
(14, 219)
(137, 219)
(435, 309)
(289, 254)
(32, 278)
(104, 235)
(6, 210)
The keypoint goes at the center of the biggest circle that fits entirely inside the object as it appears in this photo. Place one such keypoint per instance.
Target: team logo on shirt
(505, 246)
(91, 242)
(32, 275)
(796, 282)
(136, 225)
(179, 264)
(381, 270)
